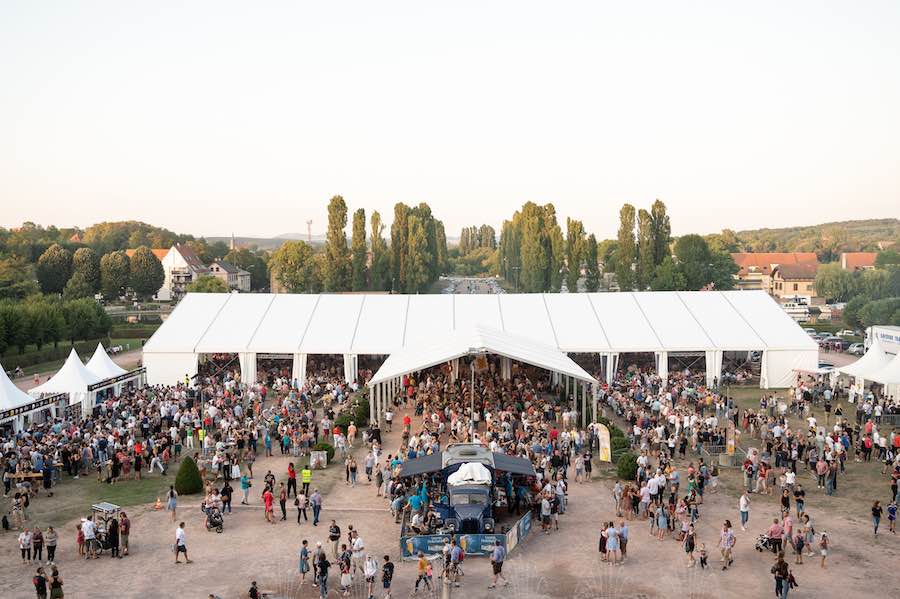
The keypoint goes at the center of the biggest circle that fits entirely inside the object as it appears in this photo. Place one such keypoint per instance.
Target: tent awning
(476, 340)
(423, 465)
(102, 366)
(73, 377)
(513, 465)
(11, 397)
(889, 374)
(873, 361)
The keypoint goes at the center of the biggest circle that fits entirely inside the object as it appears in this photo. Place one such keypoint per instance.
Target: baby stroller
(764, 543)
(214, 520)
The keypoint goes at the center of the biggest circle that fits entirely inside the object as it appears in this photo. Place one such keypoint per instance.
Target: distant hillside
(828, 240)
(267, 243)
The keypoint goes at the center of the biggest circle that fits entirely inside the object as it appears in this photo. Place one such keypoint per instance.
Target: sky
(218, 117)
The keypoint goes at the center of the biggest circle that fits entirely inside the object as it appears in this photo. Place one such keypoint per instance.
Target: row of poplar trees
(415, 258)
(535, 256)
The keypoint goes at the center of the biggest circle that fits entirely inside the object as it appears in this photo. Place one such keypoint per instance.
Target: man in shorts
(497, 557)
(387, 574)
(180, 546)
(124, 531)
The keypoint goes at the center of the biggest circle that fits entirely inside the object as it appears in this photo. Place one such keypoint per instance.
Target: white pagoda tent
(102, 365)
(73, 378)
(871, 362)
(11, 399)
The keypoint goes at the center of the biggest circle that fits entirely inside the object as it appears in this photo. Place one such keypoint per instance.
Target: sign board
(518, 532)
(131, 374)
(603, 440)
(433, 545)
(275, 356)
(35, 405)
(318, 460)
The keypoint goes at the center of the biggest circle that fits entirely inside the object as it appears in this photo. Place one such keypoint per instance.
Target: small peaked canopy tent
(102, 366)
(11, 397)
(889, 374)
(873, 361)
(73, 377)
(477, 340)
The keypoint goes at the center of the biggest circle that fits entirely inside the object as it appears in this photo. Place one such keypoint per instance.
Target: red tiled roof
(858, 260)
(764, 261)
(795, 272)
(160, 253)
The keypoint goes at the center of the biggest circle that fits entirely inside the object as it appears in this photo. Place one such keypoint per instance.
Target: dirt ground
(562, 564)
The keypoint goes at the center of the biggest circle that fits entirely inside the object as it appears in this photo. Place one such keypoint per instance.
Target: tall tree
(338, 273)
(359, 250)
(441, 246)
(556, 244)
(253, 262)
(115, 272)
(668, 277)
(575, 247)
(592, 266)
(645, 250)
(626, 249)
(295, 268)
(17, 278)
(417, 259)
(87, 262)
(535, 254)
(54, 268)
(399, 235)
(835, 283)
(147, 274)
(380, 279)
(661, 232)
(77, 287)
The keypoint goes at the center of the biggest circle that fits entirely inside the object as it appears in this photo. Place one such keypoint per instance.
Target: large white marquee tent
(706, 323)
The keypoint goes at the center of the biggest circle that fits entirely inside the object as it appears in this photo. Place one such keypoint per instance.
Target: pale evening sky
(213, 117)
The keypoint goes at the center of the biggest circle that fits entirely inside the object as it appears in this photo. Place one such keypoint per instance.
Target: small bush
(188, 481)
(619, 443)
(342, 422)
(626, 467)
(326, 447)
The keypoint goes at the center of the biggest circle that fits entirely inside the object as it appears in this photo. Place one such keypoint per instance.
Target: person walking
(315, 500)
(40, 584)
(422, 573)
(876, 516)
(781, 572)
(282, 500)
(744, 507)
(25, 544)
(269, 501)
(498, 555)
(387, 575)
(823, 548)
(172, 501)
(892, 516)
(124, 531)
(245, 489)
(301, 503)
(306, 478)
(292, 480)
(334, 537)
(304, 560)
(181, 545)
(370, 571)
(56, 585)
(51, 538)
(726, 544)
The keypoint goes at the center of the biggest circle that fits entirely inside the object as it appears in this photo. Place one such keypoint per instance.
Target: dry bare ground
(563, 564)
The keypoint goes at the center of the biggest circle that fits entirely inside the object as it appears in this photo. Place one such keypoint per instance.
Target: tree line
(415, 258)
(43, 320)
(871, 296)
(535, 256)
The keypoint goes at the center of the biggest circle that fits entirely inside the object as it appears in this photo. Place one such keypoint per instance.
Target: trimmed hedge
(326, 447)
(626, 467)
(48, 353)
(188, 481)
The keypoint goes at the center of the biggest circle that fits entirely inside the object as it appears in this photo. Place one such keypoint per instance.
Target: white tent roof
(73, 377)
(101, 365)
(474, 340)
(10, 395)
(889, 374)
(873, 361)
(383, 324)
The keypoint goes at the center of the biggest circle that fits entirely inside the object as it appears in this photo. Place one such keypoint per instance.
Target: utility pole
(309, 231)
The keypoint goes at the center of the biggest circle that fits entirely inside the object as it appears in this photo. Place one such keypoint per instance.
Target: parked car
(857, 349)
(812, 332)
(846, 333)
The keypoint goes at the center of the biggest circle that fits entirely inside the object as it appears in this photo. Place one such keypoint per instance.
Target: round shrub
(619, 443)
(188, 481)
(626, 467)
(326, 447)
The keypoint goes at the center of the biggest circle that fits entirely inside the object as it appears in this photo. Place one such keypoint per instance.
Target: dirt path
(562, 564)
